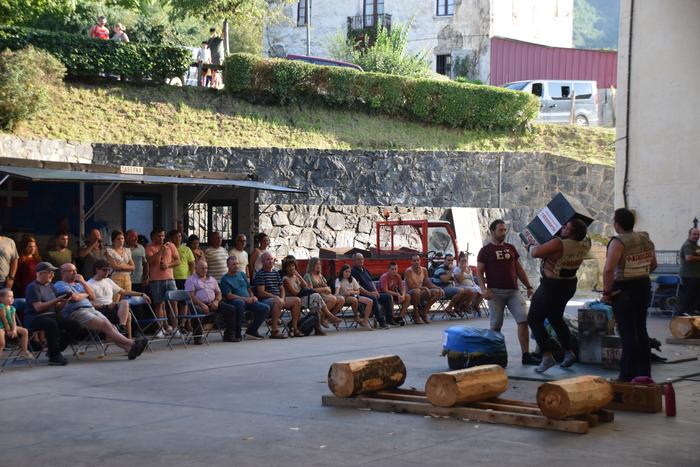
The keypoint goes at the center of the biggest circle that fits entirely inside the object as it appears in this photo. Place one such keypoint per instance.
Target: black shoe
(197, 341)
(231, 338)
(530, 359)
(252, 336)
(58, 360)
(137, 348)
(122, 330)
(400, 322)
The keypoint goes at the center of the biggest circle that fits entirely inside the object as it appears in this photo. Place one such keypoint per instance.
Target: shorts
(511, 298)
(451, 291)
(180, 284)
(158, 289)
(268, 301)
(111, 313)
(84, 315)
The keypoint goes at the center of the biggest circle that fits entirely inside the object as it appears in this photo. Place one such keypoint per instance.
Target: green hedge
(280, 81)
(85, 57)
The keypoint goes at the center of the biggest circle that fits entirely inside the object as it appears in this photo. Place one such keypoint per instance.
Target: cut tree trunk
(685, 327)
(471, 385)
(352, 377)
(574, 396)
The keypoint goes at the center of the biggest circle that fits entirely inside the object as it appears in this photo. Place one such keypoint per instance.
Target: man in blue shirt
(79, 308)
(369, 290)
(236, 291)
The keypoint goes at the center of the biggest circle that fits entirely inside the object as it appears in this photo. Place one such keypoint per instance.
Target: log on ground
(685, 327)
(352, 377)
(462, 386)
(574, 396)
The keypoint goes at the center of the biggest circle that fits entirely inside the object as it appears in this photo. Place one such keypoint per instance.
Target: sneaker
(546, 364)
(400, 322)
(197, 341)
(58, 360)
(529, 359)
(384, 326)
(569, 359)
(122, 329)
(254, 336)
(176, 333)
(137, 348)
(231, 339)
(160, 334)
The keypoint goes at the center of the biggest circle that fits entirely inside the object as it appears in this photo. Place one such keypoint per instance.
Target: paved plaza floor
(259, 403)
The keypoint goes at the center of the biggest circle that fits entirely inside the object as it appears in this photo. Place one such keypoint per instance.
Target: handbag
(305, 292)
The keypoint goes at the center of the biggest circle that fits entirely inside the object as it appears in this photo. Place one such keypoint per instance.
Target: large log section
(471, 385)
(352, 377)
(574, 396)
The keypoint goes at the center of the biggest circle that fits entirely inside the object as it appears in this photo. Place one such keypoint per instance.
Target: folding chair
(664, 295)
(191, 316)
(145, 324)
(14, 350)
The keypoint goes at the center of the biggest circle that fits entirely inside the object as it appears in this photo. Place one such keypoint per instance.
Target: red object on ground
(670, 399)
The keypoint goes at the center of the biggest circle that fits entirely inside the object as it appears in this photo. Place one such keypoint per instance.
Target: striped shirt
(270, 279)
(216, 259)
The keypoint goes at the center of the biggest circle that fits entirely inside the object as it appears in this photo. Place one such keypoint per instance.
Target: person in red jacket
(99, 30)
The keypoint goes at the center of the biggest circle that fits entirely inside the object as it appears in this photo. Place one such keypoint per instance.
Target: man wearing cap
(41, 314)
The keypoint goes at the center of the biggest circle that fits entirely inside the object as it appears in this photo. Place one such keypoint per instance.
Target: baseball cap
(45, 266)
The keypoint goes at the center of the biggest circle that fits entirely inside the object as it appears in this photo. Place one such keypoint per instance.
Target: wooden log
(685, 327)
(352, 377)
(574, 396)
(461, 386)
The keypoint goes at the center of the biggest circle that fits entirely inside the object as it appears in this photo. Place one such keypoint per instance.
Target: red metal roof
(513, 60)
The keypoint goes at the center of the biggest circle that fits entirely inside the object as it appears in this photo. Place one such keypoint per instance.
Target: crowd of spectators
(69, 295)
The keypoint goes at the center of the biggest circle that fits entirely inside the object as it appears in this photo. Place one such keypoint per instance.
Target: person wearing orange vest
(561, 258)
(626, 285)
(99, 30)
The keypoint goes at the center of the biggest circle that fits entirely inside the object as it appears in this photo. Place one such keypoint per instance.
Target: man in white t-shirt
(239, 252)
(109, 298)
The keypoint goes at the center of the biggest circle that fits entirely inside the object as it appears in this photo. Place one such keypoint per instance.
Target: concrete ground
(259, 403)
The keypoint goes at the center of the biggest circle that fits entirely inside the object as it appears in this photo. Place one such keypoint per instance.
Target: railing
(357, 23)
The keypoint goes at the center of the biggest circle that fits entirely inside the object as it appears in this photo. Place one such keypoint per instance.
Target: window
(537, 89)
(302, 17)
(583, 90)
(445, 7)
(201, 219)
(142, 212)
(372, 9)
(443, 64)
(559, 90)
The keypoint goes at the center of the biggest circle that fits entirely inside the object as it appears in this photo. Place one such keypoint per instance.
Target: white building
(657, 170)
(446, 29)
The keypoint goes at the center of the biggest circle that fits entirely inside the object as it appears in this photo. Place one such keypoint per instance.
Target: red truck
(396, 241)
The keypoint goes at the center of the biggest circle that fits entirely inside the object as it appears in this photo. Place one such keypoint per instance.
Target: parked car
(555, 99)
(323, 61)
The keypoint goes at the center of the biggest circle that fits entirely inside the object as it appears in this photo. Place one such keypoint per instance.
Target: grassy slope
(170, 115)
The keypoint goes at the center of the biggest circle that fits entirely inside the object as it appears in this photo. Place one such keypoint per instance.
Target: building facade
(455, 34)
(657, 138)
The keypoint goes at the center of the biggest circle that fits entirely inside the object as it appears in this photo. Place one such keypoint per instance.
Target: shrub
(446, 103)
(85, 57)
(24, 78)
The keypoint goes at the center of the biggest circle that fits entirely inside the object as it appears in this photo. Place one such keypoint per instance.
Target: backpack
(308, 323)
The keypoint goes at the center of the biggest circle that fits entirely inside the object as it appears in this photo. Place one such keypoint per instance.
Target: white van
(555, 99)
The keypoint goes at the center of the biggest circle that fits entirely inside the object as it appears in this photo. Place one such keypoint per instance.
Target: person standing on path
(499, 268)
(690, 274)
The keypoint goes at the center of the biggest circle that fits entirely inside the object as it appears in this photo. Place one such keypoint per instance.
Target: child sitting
(8, 324)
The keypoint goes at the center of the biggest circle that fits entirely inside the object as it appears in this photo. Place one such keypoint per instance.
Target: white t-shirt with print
(104, 290)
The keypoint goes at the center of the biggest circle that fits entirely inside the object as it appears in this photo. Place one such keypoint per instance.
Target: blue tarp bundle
(469, 340)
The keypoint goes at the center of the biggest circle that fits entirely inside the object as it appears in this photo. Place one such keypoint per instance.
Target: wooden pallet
(498, 411)
(673, 340)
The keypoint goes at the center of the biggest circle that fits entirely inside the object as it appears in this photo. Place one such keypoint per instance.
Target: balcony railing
(357, 23)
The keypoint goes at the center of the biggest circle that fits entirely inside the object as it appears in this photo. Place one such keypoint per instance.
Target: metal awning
(45, 174)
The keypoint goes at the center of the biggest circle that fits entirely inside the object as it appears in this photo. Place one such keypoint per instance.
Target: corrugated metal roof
(58, 175)
(513, 60)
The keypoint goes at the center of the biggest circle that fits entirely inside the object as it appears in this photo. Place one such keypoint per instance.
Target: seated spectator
(162, 257)
(42, 314)
(193, 245)
(463, 278)
(119, 258)
(422, 291)
(206, 296)
(99, 30)
(139, 276)
(369, 290)
(391, 282)
(105, 289)
(239, 252)
(443, 278)
(236, 290)
(316, 281)
(78, 308)
(296, 286)
(268, 288)
(216, 256)
(8, 325)
(26, 265)
(91, 252)
(60, 254)
(262, 241)
(120, 33)
(347, 287)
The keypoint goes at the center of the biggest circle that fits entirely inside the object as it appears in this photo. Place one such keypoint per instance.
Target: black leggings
(630, 309)
(549, 302)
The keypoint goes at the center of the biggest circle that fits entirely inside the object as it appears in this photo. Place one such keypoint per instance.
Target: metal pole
(175, 211)
(81, 202)
(308, 27)
(227, 50)
(500, 179)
